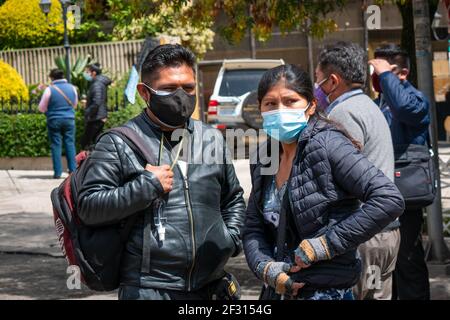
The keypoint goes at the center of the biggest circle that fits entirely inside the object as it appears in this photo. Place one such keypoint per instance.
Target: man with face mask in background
(179, 250)
(340, 76)
(407, 112)
(96, 110)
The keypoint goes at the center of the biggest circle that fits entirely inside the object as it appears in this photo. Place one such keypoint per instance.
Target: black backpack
(96, 251)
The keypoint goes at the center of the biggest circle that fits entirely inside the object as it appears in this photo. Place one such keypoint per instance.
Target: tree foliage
(135, 19)
(263, 16)
(192, 20)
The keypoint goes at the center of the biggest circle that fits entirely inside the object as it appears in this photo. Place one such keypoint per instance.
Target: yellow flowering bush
(24, 25)
(12, 85)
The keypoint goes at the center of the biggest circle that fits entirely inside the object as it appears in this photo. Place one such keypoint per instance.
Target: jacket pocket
(213, 253)
(168, 257)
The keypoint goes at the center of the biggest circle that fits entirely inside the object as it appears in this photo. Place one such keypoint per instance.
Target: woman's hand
(312, 250)
(301, 264)
(275, 274)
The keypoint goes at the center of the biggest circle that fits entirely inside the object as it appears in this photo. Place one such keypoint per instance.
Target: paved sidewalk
(31, 264)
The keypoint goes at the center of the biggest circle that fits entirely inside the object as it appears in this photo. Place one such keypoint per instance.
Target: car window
(235, 83)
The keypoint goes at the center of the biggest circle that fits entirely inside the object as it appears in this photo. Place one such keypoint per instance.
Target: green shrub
(123, 115)
(23, 25)
(25, 135)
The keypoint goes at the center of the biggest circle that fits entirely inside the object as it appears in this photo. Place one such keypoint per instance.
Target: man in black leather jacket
(190, 214)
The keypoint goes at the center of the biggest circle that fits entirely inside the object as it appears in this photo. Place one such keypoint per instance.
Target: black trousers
(92, 130)
(411, 273)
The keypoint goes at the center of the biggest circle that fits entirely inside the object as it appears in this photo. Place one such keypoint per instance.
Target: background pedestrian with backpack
(58, 102)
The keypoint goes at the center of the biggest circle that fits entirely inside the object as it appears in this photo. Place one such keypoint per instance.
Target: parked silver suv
(236, 80)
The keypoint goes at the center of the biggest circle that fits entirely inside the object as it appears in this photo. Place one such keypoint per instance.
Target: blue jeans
(62, 129)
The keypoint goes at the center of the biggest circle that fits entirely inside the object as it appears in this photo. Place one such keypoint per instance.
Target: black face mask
(173, 110)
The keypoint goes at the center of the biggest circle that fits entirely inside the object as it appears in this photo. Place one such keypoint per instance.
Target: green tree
(192, 20)
(95, 10)
(137, 19)
(262, 16)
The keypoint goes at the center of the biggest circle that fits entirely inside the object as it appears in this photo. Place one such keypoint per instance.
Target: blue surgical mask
(87, 76)
(285, 125)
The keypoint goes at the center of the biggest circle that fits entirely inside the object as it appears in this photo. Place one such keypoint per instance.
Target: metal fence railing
(35, 64)
(19, 106)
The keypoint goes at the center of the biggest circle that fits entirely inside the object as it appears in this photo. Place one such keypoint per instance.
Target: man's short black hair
(346, 59)
(56, 74)
(95, 67)
(166, 55)
(394, 54)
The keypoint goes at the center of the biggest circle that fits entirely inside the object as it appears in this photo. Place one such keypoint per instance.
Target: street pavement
(31, 263)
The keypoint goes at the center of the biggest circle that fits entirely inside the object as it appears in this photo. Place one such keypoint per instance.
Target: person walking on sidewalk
(96, 110)
(190, 212)
(341, 74)
(305, 221)
(58, 102)
(407, 112)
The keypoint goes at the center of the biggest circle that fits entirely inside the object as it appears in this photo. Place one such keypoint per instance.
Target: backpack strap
(64, 96)
(137, 144)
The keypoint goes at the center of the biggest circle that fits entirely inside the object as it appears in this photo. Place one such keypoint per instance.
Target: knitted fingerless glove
(275, 275)
(313, 250)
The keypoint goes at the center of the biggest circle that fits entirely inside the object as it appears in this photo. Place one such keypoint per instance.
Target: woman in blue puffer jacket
(324, 199)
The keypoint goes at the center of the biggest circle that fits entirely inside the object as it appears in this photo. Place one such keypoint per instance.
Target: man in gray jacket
(341, 74)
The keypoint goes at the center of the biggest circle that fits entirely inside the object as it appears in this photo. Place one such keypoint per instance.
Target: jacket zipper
(191, 221)
(187, 199)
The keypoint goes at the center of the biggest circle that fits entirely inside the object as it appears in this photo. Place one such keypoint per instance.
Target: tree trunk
(407, 37)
